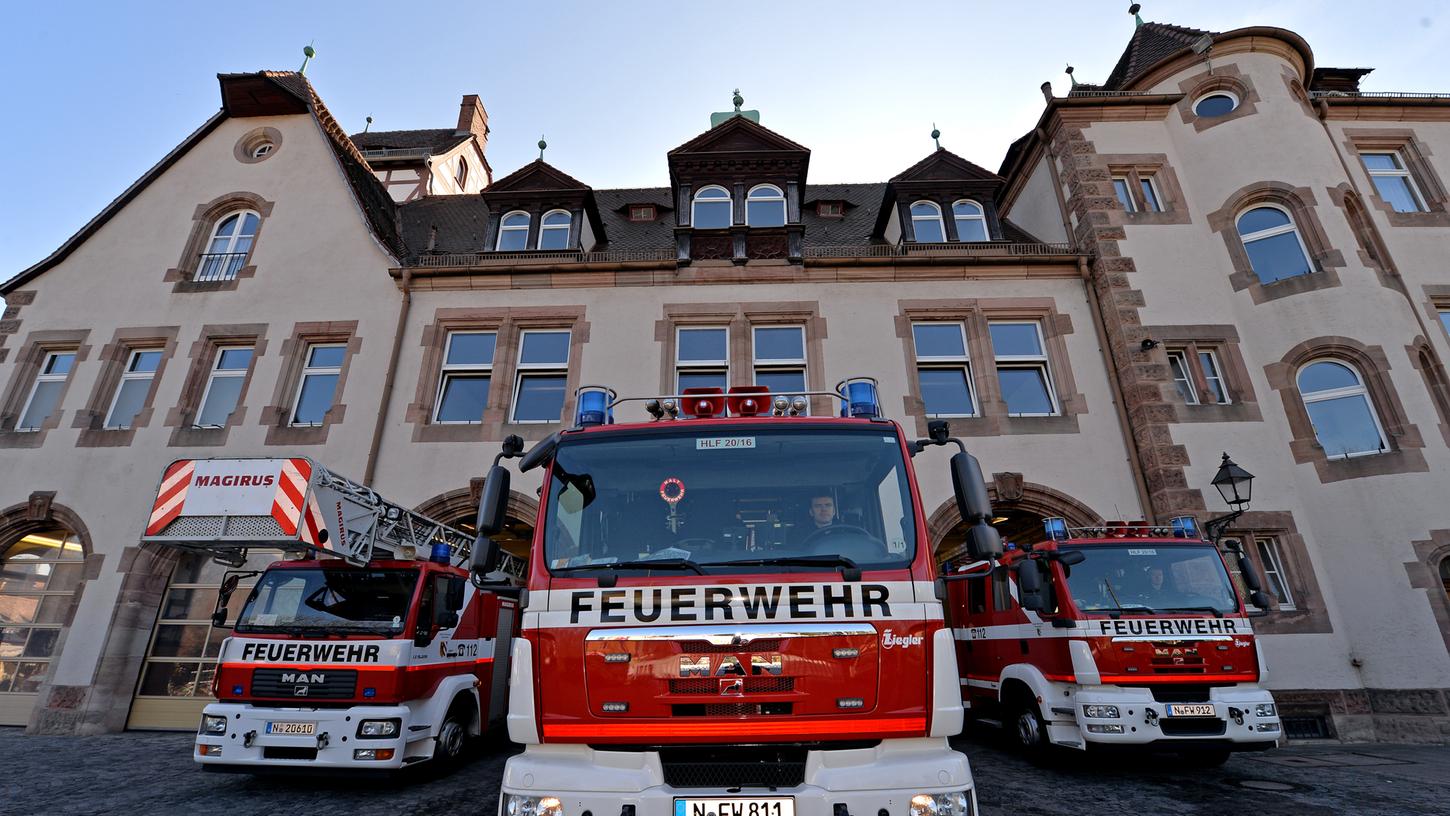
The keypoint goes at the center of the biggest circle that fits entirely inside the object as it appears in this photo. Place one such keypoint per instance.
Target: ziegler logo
(890, 639)
(730, 666)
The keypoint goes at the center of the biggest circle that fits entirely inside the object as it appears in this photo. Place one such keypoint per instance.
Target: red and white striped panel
(313, 524)
(291, 487)
(171, 496)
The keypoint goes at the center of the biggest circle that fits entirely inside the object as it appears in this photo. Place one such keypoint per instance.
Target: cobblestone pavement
(151, 773)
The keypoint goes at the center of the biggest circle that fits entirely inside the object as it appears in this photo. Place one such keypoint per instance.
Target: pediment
(536, 176)
(944, 165)
(739, 135)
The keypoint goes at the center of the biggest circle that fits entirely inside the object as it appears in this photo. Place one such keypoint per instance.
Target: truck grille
(295, 684)
(733, 767)
(729, 709)
(1191, 727)
(753, 685)
(705, 647)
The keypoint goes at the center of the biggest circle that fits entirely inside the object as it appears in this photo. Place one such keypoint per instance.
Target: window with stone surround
(702, 357)
(1146, 187)
(542, 376)
(318, 384)
(220, 249)
(1280, 556)
(943, 370)
(308, 399)
(779, 354)
(465, 377)
(123, 397)
(1275, 241)
(1406, 186)
(1198, 376)
(1344, 420)
(46, 390)
(25, 419)
(39, 574)
(1275, 249)
(221, 362)
(224, 385)
(1023, 372)
(1393, 181)
(229, 247)
(779, 345)
(136, 380)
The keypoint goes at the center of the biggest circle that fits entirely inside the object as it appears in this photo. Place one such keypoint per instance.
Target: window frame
(544, 227)
(69, 596)
(641, 213)
(460, 174)
(1421, 204)
(224, 265)
(950, 362)
(504, 226)
(1181, 354)
(1212, 355)
(214, 372)
(447, 370)
(981, 217)
(1148, 186)
(701, 366)
(127, 375)
(1017, 361)
(307, 371)
(42, 377)
(1224, 92)
(1271, 561)
(940, 222)
(1361, 389)
(778, 197)
(698, 197)
(1272, 232)
(780, 365)
(1125, 195)
(524, 370)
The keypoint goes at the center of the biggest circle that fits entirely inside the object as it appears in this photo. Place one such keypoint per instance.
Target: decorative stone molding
(1221, 78)
(203, 222)
(1324, 259)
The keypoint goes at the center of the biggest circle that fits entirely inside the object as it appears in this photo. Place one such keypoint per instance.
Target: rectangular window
(943, 370)
(642, 212)
(1022, 369)
(1151, 201)
(1183, 376)
(135, 384)
(45, 394)
(466, 374)
(1208, 362)
(1393, 181)
(702, 357)
(543, 375)
(1198, 376)
(830, 209)
(224, 386)
(780, 358)
(1445, 318)
(1125, 193)
(1275, 579)
(318, 386)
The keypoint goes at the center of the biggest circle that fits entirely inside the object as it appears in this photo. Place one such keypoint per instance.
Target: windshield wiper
(1213, 610)
(849, 570)
(680, 564)
(1114, 594)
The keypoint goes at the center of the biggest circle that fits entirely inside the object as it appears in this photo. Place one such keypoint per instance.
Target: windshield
(717, 495)
(343, 599)
(1146, 578)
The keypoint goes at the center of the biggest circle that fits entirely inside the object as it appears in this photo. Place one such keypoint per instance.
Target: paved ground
(140, 773)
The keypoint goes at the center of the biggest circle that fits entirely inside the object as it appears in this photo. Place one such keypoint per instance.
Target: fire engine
(732, 611)
(1121, 635)
(367, 648)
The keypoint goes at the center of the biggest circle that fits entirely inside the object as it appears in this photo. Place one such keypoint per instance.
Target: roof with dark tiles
(1150, 44)
(437, 140)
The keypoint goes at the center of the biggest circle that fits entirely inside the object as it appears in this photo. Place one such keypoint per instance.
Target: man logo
(303, 677)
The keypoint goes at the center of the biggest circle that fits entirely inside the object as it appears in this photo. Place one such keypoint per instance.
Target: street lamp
(1236, 486)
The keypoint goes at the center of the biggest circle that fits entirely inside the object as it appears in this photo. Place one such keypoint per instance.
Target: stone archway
(1020, 507)
(459, 508)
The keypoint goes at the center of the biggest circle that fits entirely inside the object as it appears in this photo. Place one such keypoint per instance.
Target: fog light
(850, 702)
(616, 657)
(370, 692)
(1265, 710)
(1270, 727)
(377, 754)
(515, 805)
(208, 750)
(845, 654)
(1104, 728)
(378, 729)
(212, 724)
(615, 708)
(1101, 711)
(955, 803)
(236, 691)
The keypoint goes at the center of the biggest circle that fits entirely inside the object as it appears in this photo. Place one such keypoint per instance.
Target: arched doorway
(1020, 508)
(459, 508)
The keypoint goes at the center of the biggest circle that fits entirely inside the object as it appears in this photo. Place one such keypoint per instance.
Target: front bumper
(880, 779)
(1144, 721)
(247, 746)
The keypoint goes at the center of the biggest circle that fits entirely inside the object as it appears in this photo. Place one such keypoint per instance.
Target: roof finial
(308, 52)
(1068, 71)
(738, 100)
(936, 135)
(1137, 18)
(543, 145)
(368, 125)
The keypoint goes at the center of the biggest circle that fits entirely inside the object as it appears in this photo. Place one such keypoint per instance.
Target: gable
(537, 175)
(944, 165)
(739, 135)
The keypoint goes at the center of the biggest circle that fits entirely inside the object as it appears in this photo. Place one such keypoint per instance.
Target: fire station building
(1223, 247)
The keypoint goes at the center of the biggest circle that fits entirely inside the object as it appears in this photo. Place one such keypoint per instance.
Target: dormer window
(926, 223)
(461, 174)
(711, 208)
(765, 206)
(641, 212)
(830, 209)
(513, 232)
(971, 223)
(554, 230)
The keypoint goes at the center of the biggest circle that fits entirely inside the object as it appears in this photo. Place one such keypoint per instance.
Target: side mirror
(1029, 585)
(970, 488)
(485, 559)
(539, 454)
(983, 542)
(1260, 599)
(1250, 575)
(224, 596)
(1070, 557)
(494, 502)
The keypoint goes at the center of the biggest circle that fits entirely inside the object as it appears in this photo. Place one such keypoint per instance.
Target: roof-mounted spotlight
(654, 409)
(670, 407)
(780, 405)
(1202, 44)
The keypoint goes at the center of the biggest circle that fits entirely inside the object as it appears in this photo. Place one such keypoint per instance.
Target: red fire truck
(1122, 635)
(732, 611)
(367, 648)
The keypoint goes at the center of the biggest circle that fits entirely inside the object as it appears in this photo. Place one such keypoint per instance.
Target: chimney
(472, 118)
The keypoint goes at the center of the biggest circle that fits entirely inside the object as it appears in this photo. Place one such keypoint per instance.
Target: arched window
(554, 230)
(1275, 249)
(38, 575)
(1339, 407)
(711, 208)
(765, 206)
(971, 222)
(1218, 103)
(513, 232)
(926, 223)
(461, 176)
(230, 243)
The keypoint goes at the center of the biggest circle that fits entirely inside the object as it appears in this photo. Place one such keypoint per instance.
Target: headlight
(515, 805)
(1101, 711)
(956, 803)
(1265, 710)
(378, 729)
(212, 724)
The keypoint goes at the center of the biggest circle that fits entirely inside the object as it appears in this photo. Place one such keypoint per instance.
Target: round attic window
(262, 150)
(257, 145)
(1218, 103)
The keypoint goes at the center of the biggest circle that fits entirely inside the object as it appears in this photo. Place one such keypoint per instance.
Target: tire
(1027, 730)
(451, 744)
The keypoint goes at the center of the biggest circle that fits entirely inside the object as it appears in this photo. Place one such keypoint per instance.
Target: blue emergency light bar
(1055, 528)
(594, 403)
(1184, 527)
(861, 398)
(441, 553)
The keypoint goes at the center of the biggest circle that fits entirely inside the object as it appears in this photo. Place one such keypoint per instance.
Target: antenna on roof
(543, 145)
(368, 125)
(936, 135)
(308, 52)
(1137, 18)
(1068, 71)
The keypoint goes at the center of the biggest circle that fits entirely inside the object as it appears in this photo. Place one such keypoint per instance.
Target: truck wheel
(452, 739)
(1029, 732)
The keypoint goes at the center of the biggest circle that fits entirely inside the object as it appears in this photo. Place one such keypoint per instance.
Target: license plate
(1191, 710)
(303, 729)
(759, 806)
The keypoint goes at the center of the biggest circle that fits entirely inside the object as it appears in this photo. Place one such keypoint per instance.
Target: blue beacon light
(593, 405)
(1184, 526)
(862, 400)
(1055, 528)
(440, 553)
